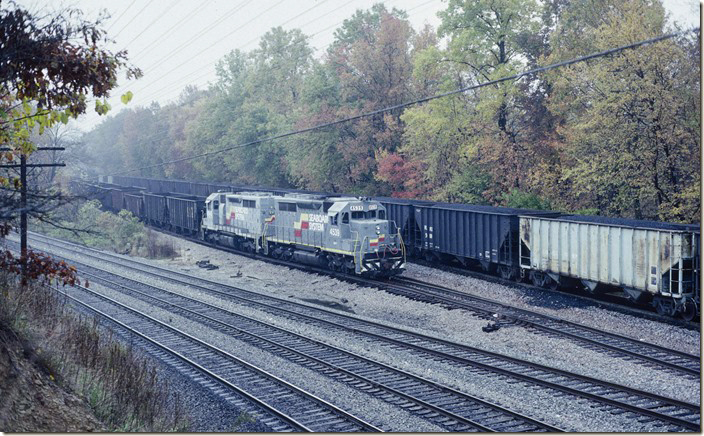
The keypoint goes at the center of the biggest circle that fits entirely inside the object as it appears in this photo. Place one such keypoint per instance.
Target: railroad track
(631, 349)
(620, 399)
(398, 387)
(296, 409)
(628, 348)
(608, 301)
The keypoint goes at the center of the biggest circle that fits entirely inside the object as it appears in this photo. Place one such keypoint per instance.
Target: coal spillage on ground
(652, 404)
(679, 362)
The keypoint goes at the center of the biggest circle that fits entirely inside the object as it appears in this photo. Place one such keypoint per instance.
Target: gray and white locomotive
(346, 234)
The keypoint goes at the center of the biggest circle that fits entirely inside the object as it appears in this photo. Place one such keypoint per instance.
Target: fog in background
(177, 42)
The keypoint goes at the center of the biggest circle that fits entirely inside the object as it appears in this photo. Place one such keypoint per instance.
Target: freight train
(346, 234)
(649, 262)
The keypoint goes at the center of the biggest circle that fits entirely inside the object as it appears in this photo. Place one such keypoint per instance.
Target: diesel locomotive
(346, 234)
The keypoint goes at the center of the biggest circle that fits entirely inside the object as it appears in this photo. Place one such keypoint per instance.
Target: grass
(121, 386)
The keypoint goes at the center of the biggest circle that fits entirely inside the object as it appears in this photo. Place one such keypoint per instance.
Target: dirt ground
(30, 400)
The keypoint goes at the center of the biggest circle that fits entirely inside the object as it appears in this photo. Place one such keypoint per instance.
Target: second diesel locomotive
(346, 234)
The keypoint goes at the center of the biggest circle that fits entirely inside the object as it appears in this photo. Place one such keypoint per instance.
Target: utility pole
(23, 197)
(23, 213)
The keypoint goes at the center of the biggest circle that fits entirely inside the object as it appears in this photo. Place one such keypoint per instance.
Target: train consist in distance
(650, 262)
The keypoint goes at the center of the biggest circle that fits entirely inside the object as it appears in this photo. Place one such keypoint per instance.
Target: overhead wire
(204, 30)
(120, 16)
(418, 101)
(177, 84)
(186, 80)
(209, 27)
(189, 15)
(158, 17)
(213, 45)
(133, 18)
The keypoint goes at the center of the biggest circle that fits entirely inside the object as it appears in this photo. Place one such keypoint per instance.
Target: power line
(214, 43)
(419, 101)
(189, 15)
(133, 18)
(187, 78)
(120, 16)
(178, 82)
(158, 17)
(198, 35)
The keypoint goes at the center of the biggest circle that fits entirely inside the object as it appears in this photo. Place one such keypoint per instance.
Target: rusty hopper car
(134, 204)
(184, 213)
(155, 211)
(346, 234)
(649, 261)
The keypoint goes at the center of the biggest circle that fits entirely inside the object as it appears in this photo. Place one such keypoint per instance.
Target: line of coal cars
(650, 262)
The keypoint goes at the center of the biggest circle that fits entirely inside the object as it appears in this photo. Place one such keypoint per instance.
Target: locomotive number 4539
(335, 232)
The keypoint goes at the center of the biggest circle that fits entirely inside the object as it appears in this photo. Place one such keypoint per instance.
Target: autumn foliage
(51, 65)
(617, 135)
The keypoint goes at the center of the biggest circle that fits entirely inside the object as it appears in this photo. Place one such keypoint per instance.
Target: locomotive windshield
(369, 215)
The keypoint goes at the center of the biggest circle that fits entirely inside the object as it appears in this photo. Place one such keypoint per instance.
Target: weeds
(122, 233)
(122, 388)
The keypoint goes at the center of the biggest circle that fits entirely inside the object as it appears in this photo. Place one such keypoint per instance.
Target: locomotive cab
(362, 227)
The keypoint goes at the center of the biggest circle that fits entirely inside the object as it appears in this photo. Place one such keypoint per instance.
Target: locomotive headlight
(378, 232)
(378, 228)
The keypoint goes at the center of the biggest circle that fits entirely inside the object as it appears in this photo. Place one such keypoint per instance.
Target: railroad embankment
(122, 233)
(60, 371)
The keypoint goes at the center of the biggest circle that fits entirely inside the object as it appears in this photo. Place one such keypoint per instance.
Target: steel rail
(680, 361)
(290, 422)
(326, 409)
(353, 360)
(688, 408)
(691, 366)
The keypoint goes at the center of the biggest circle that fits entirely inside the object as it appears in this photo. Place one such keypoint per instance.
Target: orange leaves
(39, 266)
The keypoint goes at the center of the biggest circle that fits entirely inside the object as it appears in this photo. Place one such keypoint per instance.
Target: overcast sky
(177, 42)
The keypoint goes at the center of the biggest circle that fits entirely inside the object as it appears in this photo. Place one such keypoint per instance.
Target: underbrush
(122, 233)
(122, 387)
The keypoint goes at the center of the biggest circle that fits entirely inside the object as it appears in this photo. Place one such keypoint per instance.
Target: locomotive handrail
(354, 250)
(401, 243)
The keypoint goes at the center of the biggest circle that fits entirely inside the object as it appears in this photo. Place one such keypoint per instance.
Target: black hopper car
(650, 262)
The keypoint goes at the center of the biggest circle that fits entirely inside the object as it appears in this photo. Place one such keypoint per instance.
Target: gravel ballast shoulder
(455, 325)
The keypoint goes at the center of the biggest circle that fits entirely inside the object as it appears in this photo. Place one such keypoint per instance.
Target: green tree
(631, 121)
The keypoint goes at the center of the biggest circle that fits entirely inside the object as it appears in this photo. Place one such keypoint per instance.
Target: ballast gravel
(455, 325)
(375, 411)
